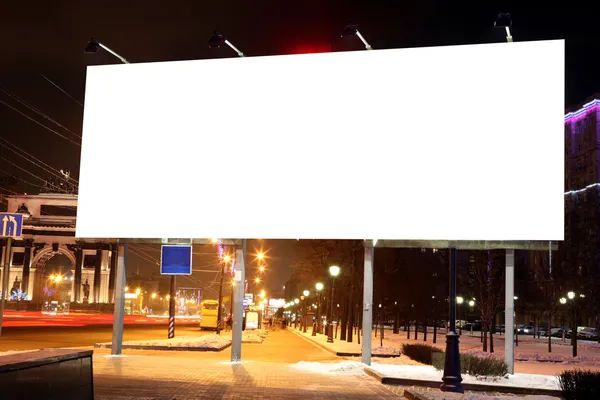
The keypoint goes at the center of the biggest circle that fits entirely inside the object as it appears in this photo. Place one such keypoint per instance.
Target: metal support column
(238, 302)
(367, 303)
(509, 312)
(119, 312)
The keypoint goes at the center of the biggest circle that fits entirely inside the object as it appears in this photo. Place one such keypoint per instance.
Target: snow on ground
(429, 373)
(254, 336)
(439, 395)
(203, 342)
(340, 368)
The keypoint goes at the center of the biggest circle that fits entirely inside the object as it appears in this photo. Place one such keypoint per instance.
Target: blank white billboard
(442, 143)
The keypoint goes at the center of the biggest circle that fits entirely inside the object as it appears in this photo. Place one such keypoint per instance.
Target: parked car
(588, 334)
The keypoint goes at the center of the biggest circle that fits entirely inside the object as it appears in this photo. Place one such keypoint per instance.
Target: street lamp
(317, 324)
(459, 301)
(93, 46)
(572, 297)
(334, 271)
(350, 30)
(217, 40)
(504, 20)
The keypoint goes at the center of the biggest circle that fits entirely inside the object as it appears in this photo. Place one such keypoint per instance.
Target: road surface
(35, 319)
(27, 338)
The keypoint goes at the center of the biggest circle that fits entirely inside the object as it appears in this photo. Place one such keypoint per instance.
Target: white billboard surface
(441, 143)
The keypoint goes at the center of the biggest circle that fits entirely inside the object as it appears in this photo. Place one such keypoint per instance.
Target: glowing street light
(563, 300)
(261, 268)
(153, 295)
(227, 258)
(471, 303)
(260, 255)
(571, 295)
(257, 280)
(306, 293)
(296, 301)
(138, 291)
(127, 288)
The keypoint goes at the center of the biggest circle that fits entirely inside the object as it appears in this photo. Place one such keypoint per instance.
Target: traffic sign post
(12, 227)
(174, 260)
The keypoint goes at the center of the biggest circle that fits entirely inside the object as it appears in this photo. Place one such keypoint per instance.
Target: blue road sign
(176, 260)
(11, 225)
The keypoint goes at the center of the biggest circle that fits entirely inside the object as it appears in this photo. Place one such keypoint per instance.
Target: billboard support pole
(238, 303)
(119, 303)
(509, 312)
(367, 304)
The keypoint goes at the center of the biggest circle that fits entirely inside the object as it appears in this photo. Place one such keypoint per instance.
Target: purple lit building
(580, 252)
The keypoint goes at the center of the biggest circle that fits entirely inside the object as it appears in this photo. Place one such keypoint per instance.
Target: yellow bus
(209, 310)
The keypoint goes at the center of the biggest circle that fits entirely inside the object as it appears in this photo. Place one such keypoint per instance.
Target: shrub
(473, 365)
(420, 352)
(579, 384)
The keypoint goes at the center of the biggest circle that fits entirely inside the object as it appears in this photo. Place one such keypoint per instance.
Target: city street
(39, 319)
(20, 338)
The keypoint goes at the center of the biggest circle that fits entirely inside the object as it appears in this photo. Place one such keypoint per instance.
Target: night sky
(47, 38)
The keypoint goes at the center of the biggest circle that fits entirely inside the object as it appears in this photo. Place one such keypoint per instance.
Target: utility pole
(219, 312)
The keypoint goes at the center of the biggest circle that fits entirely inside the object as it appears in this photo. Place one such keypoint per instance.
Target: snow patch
(431, 374)
(344, 367)
(203, 342)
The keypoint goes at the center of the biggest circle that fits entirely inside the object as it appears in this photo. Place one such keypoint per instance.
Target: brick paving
(154, 375)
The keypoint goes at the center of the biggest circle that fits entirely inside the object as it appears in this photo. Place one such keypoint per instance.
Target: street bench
(47, 374)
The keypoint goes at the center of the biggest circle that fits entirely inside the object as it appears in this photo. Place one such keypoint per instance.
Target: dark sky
(48, 38)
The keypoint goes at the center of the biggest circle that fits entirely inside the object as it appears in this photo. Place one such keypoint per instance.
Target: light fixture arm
(509, 37)
(362, 39)
(239, 53)
(123, 60)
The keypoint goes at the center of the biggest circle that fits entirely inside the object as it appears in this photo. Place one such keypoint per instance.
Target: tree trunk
(351, 314)
(407, 328)
(484, 327)
(425, 330)
(396, 321)
(435, 324)
(416, 328)
(491, 338)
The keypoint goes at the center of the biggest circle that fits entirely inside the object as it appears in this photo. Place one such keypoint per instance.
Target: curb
(341, 353)
(386, 380)
(413, 396)
(161, 348)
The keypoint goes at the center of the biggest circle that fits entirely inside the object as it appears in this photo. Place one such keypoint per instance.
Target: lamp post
(350, 30)
(317, 323)
(304, 298)
(217, 40)
(573, 297)
(459, 301)
(296, 301)
(334, 271)
(471, 304)
(452, 379)
(563, 301)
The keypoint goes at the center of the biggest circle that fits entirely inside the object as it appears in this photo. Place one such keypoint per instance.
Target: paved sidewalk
(156, 375)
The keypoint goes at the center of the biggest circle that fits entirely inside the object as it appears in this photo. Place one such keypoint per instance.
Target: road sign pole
(119, 302)
(5, 272)
(172, 308)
